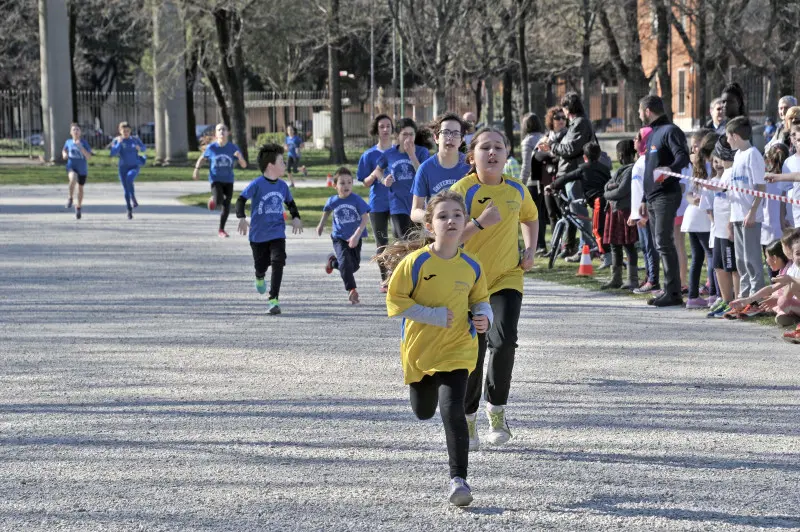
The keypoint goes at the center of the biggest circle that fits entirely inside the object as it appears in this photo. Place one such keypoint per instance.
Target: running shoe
(718, 304)
(384, 289)
(792, 337)
(261, 285)
(498, 426)
(731, 314)
(574, 258)
(222, 234)
(720, 312)
(750, 311)
(274, 307)
(704, 290)
(353, 297)
(460, 492)
(130, 214)
(329, 264)
(541, 252)
(472, 428)
(304, 170)
(69, 203)
(211, 203)
(134, 202)
(696, 302)
(77, 213)
(647, 288)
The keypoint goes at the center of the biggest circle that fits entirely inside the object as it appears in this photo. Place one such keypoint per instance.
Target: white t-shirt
(792, 164)
(747, 171)
(684, 187)
(793, 271)
(722, 206)
(771, 226)
(637, 187)
(695, 219)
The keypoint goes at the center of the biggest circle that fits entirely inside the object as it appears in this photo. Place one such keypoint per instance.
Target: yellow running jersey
(424, 279)
(497, 247)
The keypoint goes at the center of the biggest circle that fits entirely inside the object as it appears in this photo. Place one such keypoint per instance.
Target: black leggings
(266, 254)
(538, 199)
(502, 343)
(380, 226)
(700, 251)
(401, 224)
(447, 389)
(222, 196)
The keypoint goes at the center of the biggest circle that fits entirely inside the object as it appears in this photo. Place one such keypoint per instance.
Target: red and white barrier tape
(715, 182)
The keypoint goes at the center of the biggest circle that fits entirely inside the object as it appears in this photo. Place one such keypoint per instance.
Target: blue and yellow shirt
(497, 247)
(422, 278)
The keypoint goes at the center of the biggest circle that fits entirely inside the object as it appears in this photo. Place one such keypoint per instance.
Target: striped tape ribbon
(757, 193)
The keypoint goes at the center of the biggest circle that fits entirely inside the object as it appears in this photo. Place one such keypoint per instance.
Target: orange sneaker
(792, 337)
(732, 314)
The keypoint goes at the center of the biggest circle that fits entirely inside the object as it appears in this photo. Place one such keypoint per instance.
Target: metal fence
(266, 112)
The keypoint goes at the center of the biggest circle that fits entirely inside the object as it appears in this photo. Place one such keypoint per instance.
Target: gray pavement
(143, 387)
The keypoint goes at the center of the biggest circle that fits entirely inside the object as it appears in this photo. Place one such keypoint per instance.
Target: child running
(130, 151)
(499, 207)
(293, 144)
(220, 155)
(77, 152)
(441, 293)
(267, 225)
(350, 215)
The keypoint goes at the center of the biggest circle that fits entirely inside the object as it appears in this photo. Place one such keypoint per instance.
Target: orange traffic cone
(585, 268)
(329, 182)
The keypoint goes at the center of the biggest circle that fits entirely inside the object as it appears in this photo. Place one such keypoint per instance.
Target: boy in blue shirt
(443, 169)
(130, 151)
(350, 215)
(292, 144)
(220, 155)
(267, 225)
(77, 152)
(396, 169)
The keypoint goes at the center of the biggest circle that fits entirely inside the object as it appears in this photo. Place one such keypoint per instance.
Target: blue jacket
(666, 147)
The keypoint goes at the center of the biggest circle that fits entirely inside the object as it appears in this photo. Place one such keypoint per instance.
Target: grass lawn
(103, 169)
(310, 201)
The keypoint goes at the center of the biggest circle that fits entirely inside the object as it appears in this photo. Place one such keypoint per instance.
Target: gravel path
(143, 387)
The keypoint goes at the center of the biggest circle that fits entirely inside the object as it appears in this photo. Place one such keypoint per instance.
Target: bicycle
(562, 226)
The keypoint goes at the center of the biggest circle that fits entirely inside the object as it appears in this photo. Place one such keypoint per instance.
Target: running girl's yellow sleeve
(398, 298)
(528, 211)
(480, 290)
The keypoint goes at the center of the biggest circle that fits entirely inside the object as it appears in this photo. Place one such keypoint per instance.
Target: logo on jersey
(461, 287)
(271, 203)
(346, 214)
(429, 277)
(402, 170)
(223, 161)
(653, 149)
(484, 200)
(442, 184)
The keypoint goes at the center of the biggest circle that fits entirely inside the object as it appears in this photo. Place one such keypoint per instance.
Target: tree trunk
(73, 25)
(439, 100)
(702, 102)
(337, 155)
(523, 60)
(586, 64)
(228, 25)
(191, 77)
(489, 84)
(219, 97)
(663, 53)
(478, 90)
(508, 110)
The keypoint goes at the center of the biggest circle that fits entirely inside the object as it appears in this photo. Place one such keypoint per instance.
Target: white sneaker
(472, 427)
(499, 432)
(460, 492)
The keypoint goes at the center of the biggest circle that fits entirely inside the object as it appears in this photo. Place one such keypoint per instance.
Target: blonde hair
(392, 254)
(792, 114)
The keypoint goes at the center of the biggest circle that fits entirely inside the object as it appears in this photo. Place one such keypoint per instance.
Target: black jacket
(620, 195)
(593, 177)
(569, 149)
(666, 147)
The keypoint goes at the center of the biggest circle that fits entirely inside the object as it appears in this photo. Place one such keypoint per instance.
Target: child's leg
(712, 281)
(401, 223)
(698, 256)
(680, 244)
(344, 262)
(132, 173)
(73, 180)
(424, 397)
(737, 283)
(81, 183)
(260, 258)
(226, 193)
(452, 390)
(753, 259)
(277, 259)
(741, 260)
(380, 227)
(633, 266)
(502, 341)
(725, 285)
(123, 179)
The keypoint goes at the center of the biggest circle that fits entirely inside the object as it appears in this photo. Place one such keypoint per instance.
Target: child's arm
(356, 238)
(417, 209)
(241, 215)
(197, 167)
(240, 158)
(530, 234)
(86, 150)
(774, 178)
(297, 223)
(64, 154)
(140, 147)
(750, 218)
(400, 303)
(482, 315)
(116, 147)
(762, 294)
(322, 222)
(376, 175)
(489, 217)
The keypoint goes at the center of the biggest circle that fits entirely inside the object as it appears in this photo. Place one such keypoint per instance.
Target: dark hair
(436, 125)
(654, 103)
(548, 117)
(373, 127)
(707, 145)
(736, 89)
(474, 142)
(592, 151)
(404, 123)
(790, 237)
(74, 124)
(424, 138)
(268, 154)
(342, 170)
(740, 126)
(572, 101)
(775, 157)
(626, 153)
(776, 250)
(531, 124)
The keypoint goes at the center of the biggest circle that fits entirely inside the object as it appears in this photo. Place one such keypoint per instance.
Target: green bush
(265, 138)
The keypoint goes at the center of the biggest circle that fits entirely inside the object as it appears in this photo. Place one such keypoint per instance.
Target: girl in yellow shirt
(440, 291)
(499, 207)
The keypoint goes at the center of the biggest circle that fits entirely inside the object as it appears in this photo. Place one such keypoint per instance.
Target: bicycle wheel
(555, 243)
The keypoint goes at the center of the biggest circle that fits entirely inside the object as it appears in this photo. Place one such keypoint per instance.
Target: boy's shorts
(81, 178)
(293, 162)
(724, 255)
